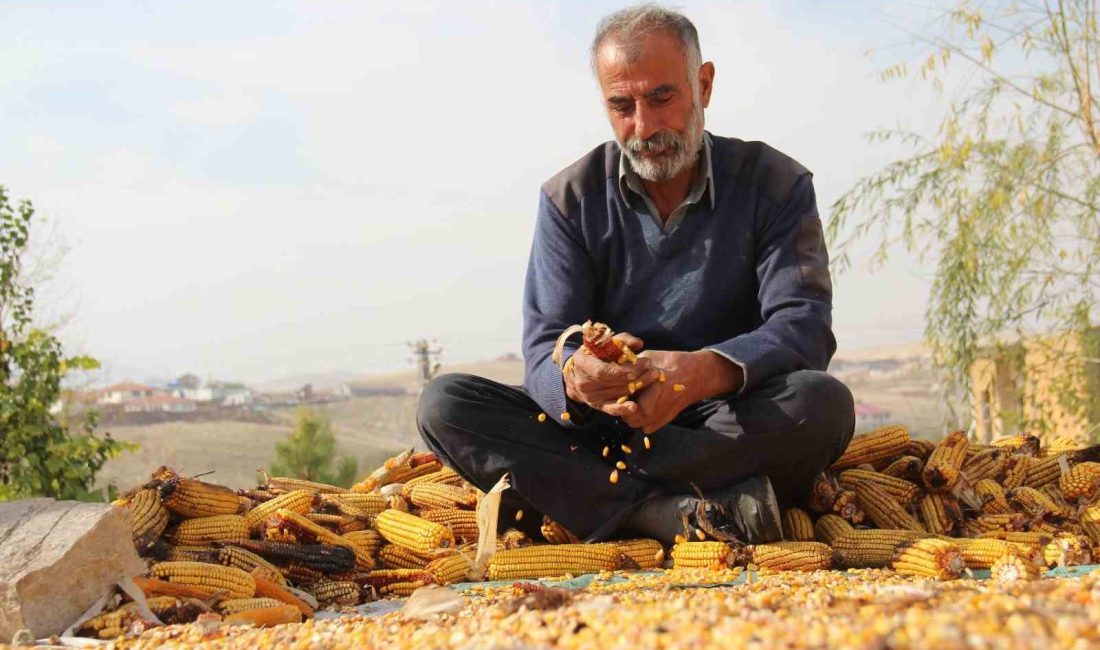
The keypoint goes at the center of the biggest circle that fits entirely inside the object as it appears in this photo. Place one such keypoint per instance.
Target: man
(707, 254)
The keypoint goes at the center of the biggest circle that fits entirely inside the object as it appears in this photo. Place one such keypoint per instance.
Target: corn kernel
(661, 376)
(606, 451)
(542, 417)
(519, 514)
(679, 388)
(626, 450)
(620, 465)
(614, 478)
(622, 399)
(648, 444)
(565, 416)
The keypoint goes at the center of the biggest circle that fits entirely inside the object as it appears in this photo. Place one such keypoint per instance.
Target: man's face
(655, 112)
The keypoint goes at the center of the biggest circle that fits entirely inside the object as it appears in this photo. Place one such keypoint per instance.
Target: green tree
(310, 452)
(1004, 196)
(41, 453)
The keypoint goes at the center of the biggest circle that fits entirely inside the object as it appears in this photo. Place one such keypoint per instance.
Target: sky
(250, 191)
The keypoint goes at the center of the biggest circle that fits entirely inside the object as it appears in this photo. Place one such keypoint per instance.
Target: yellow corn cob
(449, 569)
(883, 510)
(397, 557)
(300, 501)
(234, 582)
(236, 605)
(335, 592)
(395, 470)
(934, 558)
(797, 525)
(792, 556)
(370, 541)
(553, 560)
(941, 514)
(1081, 483)
(1067, 550)
(283, 484)
(405, 589)
(444, 476)
(149, 518)
(250, 562)
(829, 527)
(987, 464)
(398, 502)
(646, 553)
(980, 553)
(380, 578)
(920, 448)
(555, 533)
(513, 538)
(702, 555)
(944, 465)
(1090, 522)
(1031, 539)
(190, 497)
(1033, 503)
(900, 490)
(870, 548)
(992, 497)
(1021, 443)
(847, 506)
(416, 534)
(1012, 567)
(461, 523)
(1060, 445)
(1009, 521)
(329, 521)
(441, 495)
(1016, 469)
(207, 530)
(880, 444)
(1041, 471)
(907, 468)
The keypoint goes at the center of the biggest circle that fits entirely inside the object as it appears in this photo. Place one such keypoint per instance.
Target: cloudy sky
(256, 190)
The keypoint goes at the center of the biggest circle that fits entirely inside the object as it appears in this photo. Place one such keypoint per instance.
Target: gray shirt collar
(630, 181)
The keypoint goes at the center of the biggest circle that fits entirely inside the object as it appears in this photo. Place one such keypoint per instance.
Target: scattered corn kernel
(542, 417)
(620, 465)
(679, 388)
(565, 416)
(626, 450)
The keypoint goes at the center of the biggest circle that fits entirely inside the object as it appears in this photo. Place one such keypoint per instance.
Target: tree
(189, 380)
(1004, 196)
(41, 454)
(310, 452)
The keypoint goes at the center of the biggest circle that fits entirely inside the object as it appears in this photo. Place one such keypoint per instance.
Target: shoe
(747, 513)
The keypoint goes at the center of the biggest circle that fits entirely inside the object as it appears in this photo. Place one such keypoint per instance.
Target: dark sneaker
(747, 512)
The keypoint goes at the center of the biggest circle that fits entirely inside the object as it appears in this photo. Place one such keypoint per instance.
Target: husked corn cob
(941, 513)
(513, 538)
(110, 624)
(555, 533)
(1009, 521)
(1090, 522)
(1033, 502)
(396, 474)
(419, 458)
(992, 496)
(149, 518)
(880, 444)
(328, 521)
(207, 530)
(416, 534)
(944, 465)
(443, 476)
(792, 556)
(987, 464)
(646, 553)
(256, 495)
(1060, 445)
(300, 501)
(356, 504)
(270, 589)
(316, 557)
(847, 506)
(335, 592)
(283, 484)
(190, 497)
(829, 527)
(300, 528)
(931, 557)
(248, 561)
(823, 493)
(234, 582)
(797, 525)
(920, 448)
(1031, 539)
(301, 575)
(1081, 483)
(553, 560)
(449, 569)
(1021, 443)
(1012, 567)
(1016, 469)
(461, 523)
(370, 541)
(402, 589)
(380, 578)
(701, 555)
(1041, 471)
(900, 490)
(236, 605)
(441, 495)
(398, 502)
(980, 553)
(870, 548)
(177, 553)
(1067, 550)
(906, 468)
(398, 557)
(883, 510)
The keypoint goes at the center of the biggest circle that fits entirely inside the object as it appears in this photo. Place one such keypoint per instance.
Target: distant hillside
(507, 370)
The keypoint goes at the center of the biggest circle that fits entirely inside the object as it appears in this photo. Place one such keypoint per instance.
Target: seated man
(705, 252)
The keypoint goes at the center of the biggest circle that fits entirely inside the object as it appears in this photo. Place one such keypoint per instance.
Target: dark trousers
(788, 428)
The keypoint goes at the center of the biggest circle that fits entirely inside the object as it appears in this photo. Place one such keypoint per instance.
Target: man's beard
(680, 151)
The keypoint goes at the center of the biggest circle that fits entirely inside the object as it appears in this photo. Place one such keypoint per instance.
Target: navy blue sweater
(748, 279)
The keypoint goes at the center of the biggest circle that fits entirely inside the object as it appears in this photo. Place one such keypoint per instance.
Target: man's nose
(645, 122)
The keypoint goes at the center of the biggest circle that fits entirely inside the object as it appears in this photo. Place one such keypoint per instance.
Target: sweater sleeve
(559, 292)
(795, 294)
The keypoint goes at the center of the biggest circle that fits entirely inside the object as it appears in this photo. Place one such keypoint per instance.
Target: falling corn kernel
(542, 417)
(622, 399)
(620, 464)
(700, 534)
(630, 387)
(679, 388)
(519, 514)
(679, 539)
(614, 478)
(660, 376)
(606, 451)
(565, 416)
(648, 444)
(626, 450)
(621, 360)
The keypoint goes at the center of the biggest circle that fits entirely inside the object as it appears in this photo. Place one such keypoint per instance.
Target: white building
(126, 392)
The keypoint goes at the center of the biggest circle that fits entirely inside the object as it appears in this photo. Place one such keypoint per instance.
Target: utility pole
(426, 359)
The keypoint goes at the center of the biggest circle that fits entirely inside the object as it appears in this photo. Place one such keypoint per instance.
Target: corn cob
(792, 556)
(1090, 522)
(598, 339)
(646, 553)
(110, 624)
(1080, 483)
(379, 579)
(1041, 471)
(1016, 469)
(335, 592)
(398, 469)
(398, 557)
(270, 589)
(355, 504)
(1034, 503)
(1067, 550)
(443, 476)
(440, 495)
(992, 496)
(941, 514)
(982, 553)
(149, 518)
(256, 495)
(370, 541)
(176, 553)
(1021, 443)
(416, 534)
(316, 557)
(1031, 539)
(234, 582)
(1012, 567)
(449, 569)
(822, 494)
(553, 560)
(283, 484)
(847, 506)
(944, 466)
(1009, 521)
(1060, 445)
(461, 523)
(829, 527)
(797, 525)
(419, 458)
(328, 521)
(920, 448)
(301, 575)
(870, 548)
(190, 497)
(906, 468)
(207, 530)
(300, 501)
(513, 538)
(236, 605)
(248, 561)
(880, 444)
(266, 616)
(397, 502)
(934, 558)
(295, 527)
(154, 587)
(883, 510)
(402, 589)
(555, 533)
(988, 464)
(702, 555)
(900, 490)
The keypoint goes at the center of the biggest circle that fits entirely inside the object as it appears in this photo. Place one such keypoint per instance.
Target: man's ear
(706, 82)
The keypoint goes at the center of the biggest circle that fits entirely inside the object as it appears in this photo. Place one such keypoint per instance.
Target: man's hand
(702, 374)
(597, 383)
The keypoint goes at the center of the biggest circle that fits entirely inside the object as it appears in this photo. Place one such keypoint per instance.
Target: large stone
(56, 559)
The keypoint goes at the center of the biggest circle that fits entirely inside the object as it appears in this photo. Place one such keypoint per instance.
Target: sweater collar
(704, 183)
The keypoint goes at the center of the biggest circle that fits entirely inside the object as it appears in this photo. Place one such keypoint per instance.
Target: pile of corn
(273, 554)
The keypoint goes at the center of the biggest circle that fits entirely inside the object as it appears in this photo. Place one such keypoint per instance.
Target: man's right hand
(599, 383)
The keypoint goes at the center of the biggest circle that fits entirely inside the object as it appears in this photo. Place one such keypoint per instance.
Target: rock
(56, 559)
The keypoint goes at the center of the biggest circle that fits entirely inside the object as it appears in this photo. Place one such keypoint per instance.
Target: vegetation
(1004, 196)
(42, 452)
(310, 452)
